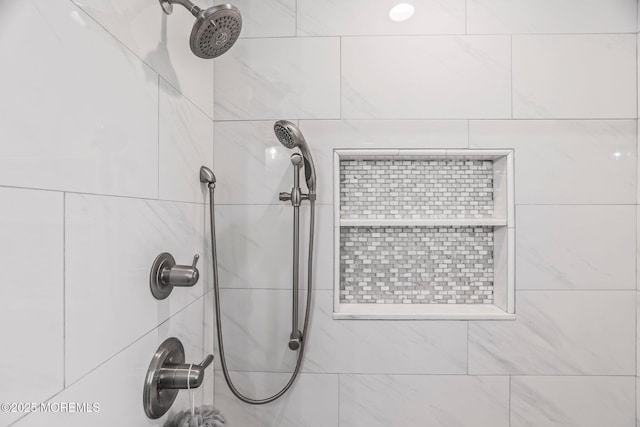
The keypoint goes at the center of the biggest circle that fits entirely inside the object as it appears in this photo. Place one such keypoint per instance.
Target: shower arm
(167, 6)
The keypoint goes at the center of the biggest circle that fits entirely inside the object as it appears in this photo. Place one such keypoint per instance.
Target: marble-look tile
(186, 143)
(573, 401)
(637, 333)
(252, 167)
(83, 110)
(250, 164)
(637, 402)
(469, 79)
(266, 18)
(559, 333)
(255, 246)
(324, 136)
(116, 387)
(261, 320)
(276, 78)
(110, 246)
(574, 76)
(419, 400)
(566, 161)
(312, 401)
(576, 247)
(550, 16)
(188, 327)
(331, 134)
(31, 229)
(159, 40)
(367, 18)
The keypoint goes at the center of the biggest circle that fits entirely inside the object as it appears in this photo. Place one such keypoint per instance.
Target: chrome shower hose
(216, 290)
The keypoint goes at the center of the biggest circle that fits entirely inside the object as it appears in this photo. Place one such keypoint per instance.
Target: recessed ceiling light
(401, 12)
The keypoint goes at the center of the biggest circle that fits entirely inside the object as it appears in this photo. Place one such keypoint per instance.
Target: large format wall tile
(115, 386)
(324, 136)
(400, 78)
(312, 401)
(573, 401)
(252, 167)
(110, 246)
(31, 296)
(159, 40)
(366, 17)
(260, 320)
(186, 143)
(250, 164)
(417, 400)
(255, 244)
(576, 247)
(83, 110)
(559, 332)
(566, 161)
(277, 78)
(266, 18)
(330, 134)
(551, 16)
(574, 76)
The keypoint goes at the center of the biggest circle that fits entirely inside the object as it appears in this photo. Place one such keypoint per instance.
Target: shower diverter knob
(165, 274)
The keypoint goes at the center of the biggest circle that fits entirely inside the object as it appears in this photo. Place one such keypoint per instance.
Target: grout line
(462, 375)
(339, 387)
(82, 193)
(434, 35)
(467, 346)
(158, 135)
(64, 291)
(340, 75)
(434, 119)
(466, 17)
(511, 72)
(510, 379)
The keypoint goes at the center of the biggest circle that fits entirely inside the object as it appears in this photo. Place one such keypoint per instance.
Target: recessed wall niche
(423, 234)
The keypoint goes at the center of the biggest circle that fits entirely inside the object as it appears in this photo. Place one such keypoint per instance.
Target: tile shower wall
(103, 130)
(555, 82)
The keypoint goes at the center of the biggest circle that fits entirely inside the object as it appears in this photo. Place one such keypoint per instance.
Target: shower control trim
(167, 374)
(165, 274)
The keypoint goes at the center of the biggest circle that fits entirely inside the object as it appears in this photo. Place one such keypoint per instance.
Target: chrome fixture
(216, 29)
(291, 137)
(295, 197)
(165, 274)
(167, 374)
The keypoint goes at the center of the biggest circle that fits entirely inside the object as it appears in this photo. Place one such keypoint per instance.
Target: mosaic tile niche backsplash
(416, 189)
(404, 264)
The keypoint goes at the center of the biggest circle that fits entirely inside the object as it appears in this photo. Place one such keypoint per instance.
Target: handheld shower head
(216, 29)
(290, 136)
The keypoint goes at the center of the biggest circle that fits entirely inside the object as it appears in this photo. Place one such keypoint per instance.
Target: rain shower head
(216, 29)
(290, 136)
